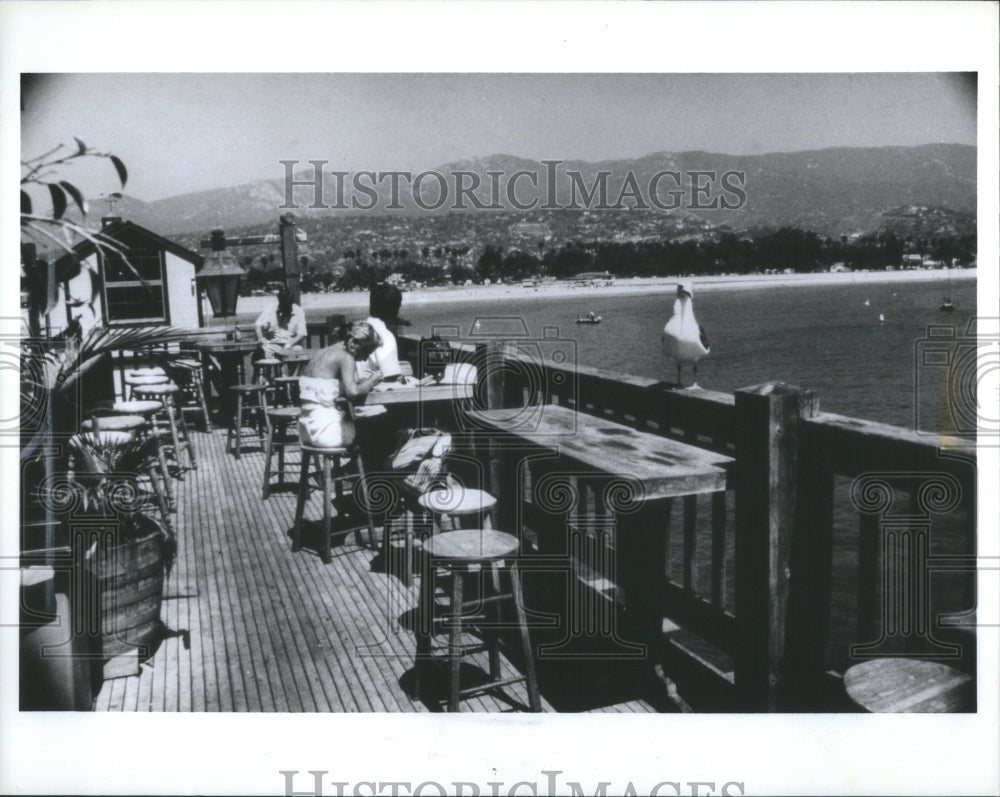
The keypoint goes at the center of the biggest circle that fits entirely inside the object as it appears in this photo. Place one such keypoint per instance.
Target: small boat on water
(947, 305)
(590, 318)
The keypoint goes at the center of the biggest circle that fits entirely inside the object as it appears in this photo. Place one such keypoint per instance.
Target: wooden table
(639, 474)
(232, 364)
(420, 394)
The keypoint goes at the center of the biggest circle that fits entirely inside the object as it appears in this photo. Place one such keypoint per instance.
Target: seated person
(281, 328)
(328, 380)
(383, 309)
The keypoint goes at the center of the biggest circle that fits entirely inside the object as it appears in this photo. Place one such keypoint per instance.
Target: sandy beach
(358, 300)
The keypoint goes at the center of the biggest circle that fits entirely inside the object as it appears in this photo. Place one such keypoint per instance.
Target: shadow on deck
(250, 626)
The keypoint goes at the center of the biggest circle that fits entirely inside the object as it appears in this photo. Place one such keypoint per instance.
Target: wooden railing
(813, 498)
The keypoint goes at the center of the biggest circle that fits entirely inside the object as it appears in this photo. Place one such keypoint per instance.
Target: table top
(909, 685)
(665, 468)
(420, 393)
(229, 346)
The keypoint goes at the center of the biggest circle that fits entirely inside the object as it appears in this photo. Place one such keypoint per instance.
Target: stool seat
(342, 451)
(467, 546)
(141, 372)
(458, 501)
(159, 389)
(268, 361)
(284, 414)
(901, 685)
(113, 423)
(150, 379)
(136, 407)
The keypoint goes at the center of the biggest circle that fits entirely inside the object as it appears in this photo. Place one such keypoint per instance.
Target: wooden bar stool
(281, 435)
(286, 390)
(142, 376)
(456, 507)
(252, 399)
(148, 410)
(181, 440)
(192, 385)
(902, 685)
(457, 556)
(294, 361)
(265, 371)
(336, 466)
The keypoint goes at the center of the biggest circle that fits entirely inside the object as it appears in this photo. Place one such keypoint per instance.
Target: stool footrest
(484, 688)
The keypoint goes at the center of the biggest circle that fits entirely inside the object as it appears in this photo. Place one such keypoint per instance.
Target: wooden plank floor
(250, 626)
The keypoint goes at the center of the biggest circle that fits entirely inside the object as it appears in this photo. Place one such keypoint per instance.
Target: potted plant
(127, 558)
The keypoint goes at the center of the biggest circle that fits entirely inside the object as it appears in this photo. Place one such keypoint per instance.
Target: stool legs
(455, 641)
(534, 701)
(327, 467)
(300, 503)
(199, 390)
(489, 599)
(236, 427)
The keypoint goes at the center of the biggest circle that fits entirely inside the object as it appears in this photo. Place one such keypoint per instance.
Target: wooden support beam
(767, 421)
(290, 255)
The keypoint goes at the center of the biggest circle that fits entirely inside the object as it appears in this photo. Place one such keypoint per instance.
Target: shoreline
(358, 300)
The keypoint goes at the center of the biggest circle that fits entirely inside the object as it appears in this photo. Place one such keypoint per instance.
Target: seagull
(683, 338)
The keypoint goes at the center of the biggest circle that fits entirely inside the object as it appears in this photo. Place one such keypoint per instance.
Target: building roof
(68, 266)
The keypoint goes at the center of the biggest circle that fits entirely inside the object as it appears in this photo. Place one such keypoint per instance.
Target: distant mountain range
(833, 191)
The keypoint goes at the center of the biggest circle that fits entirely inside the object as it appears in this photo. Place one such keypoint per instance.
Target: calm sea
(827, 339)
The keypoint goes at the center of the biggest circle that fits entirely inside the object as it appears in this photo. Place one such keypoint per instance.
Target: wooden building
(166, 295)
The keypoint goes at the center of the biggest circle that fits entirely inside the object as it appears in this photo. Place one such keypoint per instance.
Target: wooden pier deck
(250, 626)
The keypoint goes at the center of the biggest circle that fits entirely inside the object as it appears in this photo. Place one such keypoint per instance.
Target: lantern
(220, 277)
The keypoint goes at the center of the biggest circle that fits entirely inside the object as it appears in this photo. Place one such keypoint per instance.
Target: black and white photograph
(410, 396)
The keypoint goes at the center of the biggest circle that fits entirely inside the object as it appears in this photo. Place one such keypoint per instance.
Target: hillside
(831, 191)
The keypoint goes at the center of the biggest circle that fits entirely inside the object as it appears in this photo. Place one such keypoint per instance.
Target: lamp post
(220, 277)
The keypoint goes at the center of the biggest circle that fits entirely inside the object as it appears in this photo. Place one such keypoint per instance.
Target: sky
(179, 133)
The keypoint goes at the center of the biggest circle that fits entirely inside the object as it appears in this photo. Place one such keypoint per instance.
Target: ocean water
(826, 339)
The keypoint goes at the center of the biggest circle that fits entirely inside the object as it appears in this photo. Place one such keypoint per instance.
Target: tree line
(728, 253)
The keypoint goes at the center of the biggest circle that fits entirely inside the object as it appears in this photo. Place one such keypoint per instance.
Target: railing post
(490, 373)
(767, 452)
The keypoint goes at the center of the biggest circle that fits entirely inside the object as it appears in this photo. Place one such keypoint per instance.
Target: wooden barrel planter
(127, 581)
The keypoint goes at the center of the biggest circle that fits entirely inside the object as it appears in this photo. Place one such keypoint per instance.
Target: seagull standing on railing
(683, 338)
